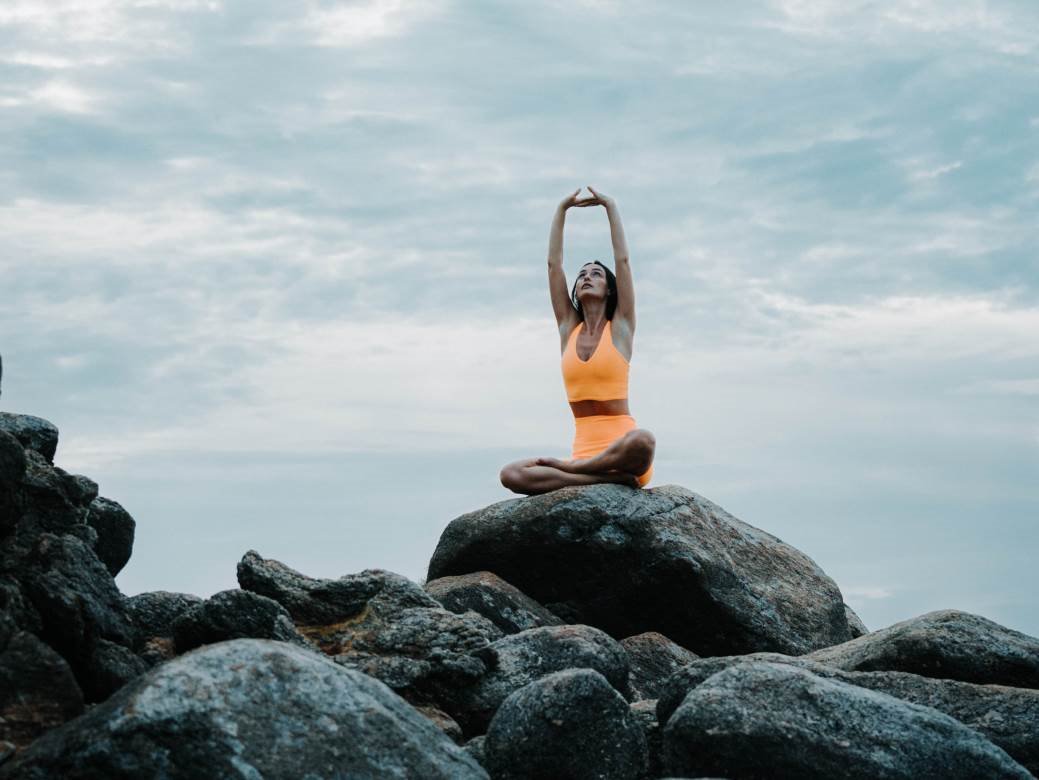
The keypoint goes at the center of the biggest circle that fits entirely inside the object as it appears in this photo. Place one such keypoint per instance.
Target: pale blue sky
(277, 271)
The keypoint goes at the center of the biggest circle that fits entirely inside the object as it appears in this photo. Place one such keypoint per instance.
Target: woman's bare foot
(622, 478)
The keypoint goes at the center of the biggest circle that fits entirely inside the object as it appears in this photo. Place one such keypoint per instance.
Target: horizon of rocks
(590, 632)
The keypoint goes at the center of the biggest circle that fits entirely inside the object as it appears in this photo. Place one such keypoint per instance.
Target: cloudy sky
(277, 270)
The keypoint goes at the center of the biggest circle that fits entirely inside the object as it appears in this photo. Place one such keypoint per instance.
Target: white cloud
(867, 592)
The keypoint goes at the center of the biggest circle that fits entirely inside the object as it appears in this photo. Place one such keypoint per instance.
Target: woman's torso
(588, 346)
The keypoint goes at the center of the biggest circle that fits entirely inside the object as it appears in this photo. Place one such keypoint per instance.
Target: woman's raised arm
(557, 288)
(622, 268)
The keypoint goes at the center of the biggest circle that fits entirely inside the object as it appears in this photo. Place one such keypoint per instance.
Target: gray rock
(858, 628)
(321, 602)
(37, 688)
(152, 615)
(115, 532)
(426, 655)
(1008, 717)
(946, 643)
(507, 607)
(12, 470)
(233, 614)
(570, 724)
(110, 668)
(758, 719)
(442, 721)
(34, 433)
(653, 659)
(475, 748)
(529, 655)
(77, 601)
(247, 708)
(645, 715)
(663, 559)
(382, 624)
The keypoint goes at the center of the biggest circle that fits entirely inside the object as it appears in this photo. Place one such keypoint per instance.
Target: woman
(596, 328)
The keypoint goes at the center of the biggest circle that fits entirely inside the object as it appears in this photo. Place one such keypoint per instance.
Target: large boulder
(247, 708)
(1006, 716)
(518, 659)
(663, 559)
(653, 659)
(509, 608)
(78, 603)
(382, 624)
(570, 724)
(946, 643)
(760, 719)
(34, 433)
(115, 531)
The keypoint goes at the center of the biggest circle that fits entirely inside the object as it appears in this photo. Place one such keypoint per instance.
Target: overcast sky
(277, 270)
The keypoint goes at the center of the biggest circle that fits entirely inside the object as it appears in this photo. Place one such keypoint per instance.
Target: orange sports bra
(602, 377)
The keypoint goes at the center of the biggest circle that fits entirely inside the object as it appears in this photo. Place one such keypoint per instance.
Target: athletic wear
(602, 377)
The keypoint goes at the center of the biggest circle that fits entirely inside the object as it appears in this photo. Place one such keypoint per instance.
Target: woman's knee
(643, 440)
(511, 475)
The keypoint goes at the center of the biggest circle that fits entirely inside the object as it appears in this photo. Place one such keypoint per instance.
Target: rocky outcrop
(507, 607)
(1008, 717)
(274, 685)
(947, 643)
(52, 582)
(663, 559)
(37, 688)
(653, 659)
(152, 615)
(382, 624)
(233, 614)
(518, 659)
(760, 719)
(569, 724)
(33, 433)
(248, 708)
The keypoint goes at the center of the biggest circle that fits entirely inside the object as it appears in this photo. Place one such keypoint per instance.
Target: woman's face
(591, 282)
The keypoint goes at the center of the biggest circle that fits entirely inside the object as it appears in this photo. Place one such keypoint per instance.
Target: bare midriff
(590, 407)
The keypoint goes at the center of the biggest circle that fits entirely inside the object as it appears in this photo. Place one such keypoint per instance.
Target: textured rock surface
(777, 720)
(52, 583)
(33, 433)
(645, 714)
(1006, 716)
(507, 607)
(313, 601)
(529, 655)
(663, 559)
(115, 532)
(233, 614)
(570, 724)
(946, 643)
(77, 600)
(37, 688)
(653, 658)
(152, 615)
(248, 708)
(383, 625)
(858, 628)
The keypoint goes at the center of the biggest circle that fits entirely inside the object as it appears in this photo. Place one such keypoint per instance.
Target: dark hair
(611, 296)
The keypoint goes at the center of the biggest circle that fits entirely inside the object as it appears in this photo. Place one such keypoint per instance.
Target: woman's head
(595, 281)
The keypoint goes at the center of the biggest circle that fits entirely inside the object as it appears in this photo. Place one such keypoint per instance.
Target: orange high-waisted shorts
(596, 432)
